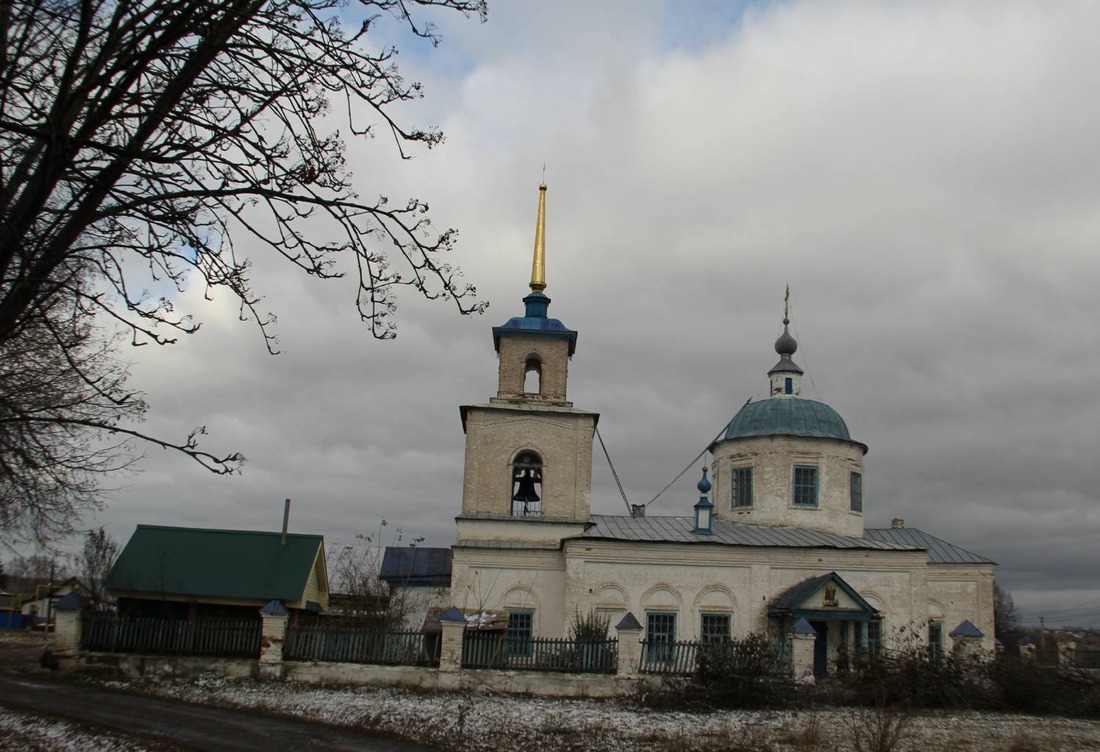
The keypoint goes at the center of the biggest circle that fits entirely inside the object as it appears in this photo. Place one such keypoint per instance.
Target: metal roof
(237, 564)
(939, 550)
(788, 416)
(535, 323)
(416, 566)
(724, 532)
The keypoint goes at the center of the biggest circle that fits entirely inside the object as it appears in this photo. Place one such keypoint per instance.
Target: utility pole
(49, 599)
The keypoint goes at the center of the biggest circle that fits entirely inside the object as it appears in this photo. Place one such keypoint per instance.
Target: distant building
(776, 536)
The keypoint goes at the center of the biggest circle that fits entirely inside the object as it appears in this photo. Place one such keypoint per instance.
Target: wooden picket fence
(352, 645)
(669, 658)
(495, 650)
(222, 638)
(681, 658)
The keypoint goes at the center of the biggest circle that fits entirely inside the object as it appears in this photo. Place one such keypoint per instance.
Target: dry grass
(879, 729)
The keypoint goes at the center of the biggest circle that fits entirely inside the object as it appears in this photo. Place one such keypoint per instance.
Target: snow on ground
(487, 722)
(32, 733)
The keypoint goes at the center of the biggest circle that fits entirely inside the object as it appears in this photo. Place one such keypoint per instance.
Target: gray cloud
(923, 175)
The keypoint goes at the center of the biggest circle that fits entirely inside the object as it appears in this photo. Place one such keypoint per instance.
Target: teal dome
(788, 417)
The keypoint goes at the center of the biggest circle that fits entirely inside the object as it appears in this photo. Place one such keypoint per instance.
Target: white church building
(777, 536)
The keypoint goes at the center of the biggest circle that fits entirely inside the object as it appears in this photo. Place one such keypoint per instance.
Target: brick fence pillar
(68, 623)
(630, 645)
(967, 639)
(273, 619)
(802, 651)
(453, 624)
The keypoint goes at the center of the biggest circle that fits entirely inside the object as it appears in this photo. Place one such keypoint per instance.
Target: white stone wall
(692, 579)
(962, 591)
(511, 578)
(553, 355)
(415, 601)
(516, 530)
(773, 459)
(562, 437)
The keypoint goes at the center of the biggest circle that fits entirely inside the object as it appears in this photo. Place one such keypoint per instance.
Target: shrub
(909, 677)
(878, 729)
(1029, 687)
(589, 628)
(747, 673)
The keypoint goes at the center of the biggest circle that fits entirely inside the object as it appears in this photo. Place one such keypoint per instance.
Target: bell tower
(528, 469)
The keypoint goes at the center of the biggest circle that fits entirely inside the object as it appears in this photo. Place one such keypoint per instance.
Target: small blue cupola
(704, 510)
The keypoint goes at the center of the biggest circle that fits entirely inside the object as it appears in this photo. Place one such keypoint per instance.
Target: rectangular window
(660, 633)
(521, 625)
(788, 385)
(935, 640)
(874, 636)
(805, 486)
(715, 628)
(856, 492)
(741, 487)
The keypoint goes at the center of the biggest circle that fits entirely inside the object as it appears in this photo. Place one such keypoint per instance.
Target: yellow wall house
(192, 572)
(775, 542)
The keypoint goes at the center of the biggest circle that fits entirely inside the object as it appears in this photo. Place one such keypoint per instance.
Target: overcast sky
(924, 175)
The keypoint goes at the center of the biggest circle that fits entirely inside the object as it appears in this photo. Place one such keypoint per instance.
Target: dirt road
(167, 725)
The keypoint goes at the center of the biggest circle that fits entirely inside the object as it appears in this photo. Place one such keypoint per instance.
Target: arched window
(532, 375)
(527, 485)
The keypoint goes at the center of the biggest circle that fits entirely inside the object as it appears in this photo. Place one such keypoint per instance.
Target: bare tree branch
(141, 142)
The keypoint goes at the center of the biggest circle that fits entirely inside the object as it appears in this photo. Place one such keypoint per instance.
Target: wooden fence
(222, 638)
(494, 650)
(351, 645)
(670, 658)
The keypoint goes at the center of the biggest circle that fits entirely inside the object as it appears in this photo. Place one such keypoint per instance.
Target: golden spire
(538, 267)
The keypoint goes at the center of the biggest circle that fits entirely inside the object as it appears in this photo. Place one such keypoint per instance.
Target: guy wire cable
(690, 464)
(614, 474)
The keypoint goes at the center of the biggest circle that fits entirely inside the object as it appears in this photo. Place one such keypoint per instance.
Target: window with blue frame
(741, 487)
(660, 634)
(804, 486)
(874, 636)
(521, 626)
(935, 640)
(855, 492)
(715, 628)
(788, 385)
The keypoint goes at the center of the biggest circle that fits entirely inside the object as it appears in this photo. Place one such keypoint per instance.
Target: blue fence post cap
(274, 608)
(803, 627)
(966, 629)
(452, 614)
(628, 622)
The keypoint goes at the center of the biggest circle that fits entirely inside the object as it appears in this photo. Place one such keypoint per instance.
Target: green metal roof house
(221, 570)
